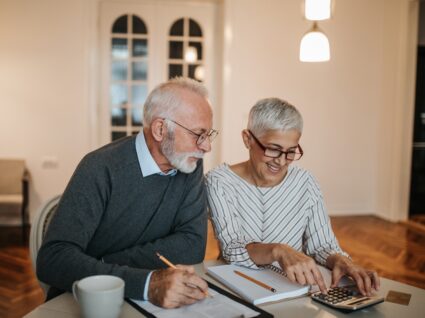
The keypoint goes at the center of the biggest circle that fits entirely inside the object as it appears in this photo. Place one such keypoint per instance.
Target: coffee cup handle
(74, 290)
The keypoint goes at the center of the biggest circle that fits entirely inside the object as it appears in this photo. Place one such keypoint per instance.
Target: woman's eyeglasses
(291, 155)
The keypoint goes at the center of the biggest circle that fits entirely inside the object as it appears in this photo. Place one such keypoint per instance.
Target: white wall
(43, 104)
(421, 37)
(343, 101)
(357, 107)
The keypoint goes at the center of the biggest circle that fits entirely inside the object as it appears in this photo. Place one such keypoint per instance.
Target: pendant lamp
(314, 46)
(317, 10)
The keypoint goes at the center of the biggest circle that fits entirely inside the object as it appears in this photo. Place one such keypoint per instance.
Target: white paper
(215, 306)
(253, 292)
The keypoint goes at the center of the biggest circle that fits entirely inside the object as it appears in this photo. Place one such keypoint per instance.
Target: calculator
(346, 298)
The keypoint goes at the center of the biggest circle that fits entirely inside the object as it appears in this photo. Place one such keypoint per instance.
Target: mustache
(199, 155)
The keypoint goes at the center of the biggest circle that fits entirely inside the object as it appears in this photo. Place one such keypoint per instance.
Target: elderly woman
(265, 209)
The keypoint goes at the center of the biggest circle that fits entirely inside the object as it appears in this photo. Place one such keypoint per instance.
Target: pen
(169, 264)
(255, 281)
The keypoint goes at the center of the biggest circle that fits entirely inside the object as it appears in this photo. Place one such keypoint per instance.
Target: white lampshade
(317, 9)
(314, 46)
(191, 54)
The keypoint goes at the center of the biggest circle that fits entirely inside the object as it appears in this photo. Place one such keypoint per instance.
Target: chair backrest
(38, 231)
(12, 172)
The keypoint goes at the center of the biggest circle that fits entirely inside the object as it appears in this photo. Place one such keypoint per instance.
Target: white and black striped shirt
(291, 212)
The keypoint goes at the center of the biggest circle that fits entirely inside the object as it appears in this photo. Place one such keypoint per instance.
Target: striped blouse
(291, 212)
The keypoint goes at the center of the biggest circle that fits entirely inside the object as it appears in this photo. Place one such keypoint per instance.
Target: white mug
(99, 296)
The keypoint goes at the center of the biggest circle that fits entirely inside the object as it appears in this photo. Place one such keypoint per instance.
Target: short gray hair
(165, 98)
(274, 114)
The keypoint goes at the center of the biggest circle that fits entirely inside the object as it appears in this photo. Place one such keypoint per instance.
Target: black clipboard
(262, 313)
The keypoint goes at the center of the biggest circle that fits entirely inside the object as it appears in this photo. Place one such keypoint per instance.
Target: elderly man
(135, 197)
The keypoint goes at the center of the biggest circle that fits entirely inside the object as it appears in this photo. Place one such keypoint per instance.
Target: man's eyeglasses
(211, 134)
(295, 154)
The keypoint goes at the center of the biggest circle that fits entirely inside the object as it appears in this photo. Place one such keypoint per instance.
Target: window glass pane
(136, 116)
(119, 48)
(127, 99)
(198, 46)
(118, 116)
(176, 50)
(119, 71)
(140, 47)
(118, 134)
(118, 94)
(194, 28)
(192, 73)
(177, 28)
(139, 71)
(120, 25)
(138, 94)
(175, 70)
(198, 72)
(139, 26)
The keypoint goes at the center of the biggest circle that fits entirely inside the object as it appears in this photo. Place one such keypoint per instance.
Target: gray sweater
(109, 211)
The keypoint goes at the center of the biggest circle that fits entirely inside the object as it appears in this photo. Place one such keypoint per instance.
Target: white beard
(179, 160)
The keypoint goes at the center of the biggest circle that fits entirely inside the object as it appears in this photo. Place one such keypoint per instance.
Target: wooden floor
(19, 289)
(395, 250)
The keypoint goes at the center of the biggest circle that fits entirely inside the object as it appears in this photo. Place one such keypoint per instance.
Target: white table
(65, 305)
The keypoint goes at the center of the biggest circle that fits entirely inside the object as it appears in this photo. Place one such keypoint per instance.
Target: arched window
(185, 50)
(129, 75)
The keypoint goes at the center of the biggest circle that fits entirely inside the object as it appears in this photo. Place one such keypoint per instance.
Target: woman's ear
(246, 138)
(158, 129)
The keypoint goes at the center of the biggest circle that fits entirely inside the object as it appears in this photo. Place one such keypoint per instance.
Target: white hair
(274, 114)
(165, 98)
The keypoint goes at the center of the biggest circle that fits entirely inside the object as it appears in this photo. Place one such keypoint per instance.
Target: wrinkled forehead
(283, 138)
(265, 132)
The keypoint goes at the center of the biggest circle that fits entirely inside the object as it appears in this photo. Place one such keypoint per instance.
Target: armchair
(14, 179)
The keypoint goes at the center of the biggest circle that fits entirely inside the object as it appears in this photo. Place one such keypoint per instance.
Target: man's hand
(365, 279)
(299, 267)
(171, 288)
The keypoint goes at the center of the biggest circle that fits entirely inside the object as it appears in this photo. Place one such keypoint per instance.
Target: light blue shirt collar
(146, 161)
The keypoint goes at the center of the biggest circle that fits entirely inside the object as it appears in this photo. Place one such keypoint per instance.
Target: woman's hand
(298, 267)
(365, 279)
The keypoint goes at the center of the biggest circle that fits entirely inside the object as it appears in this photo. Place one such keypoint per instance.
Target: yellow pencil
(255, 281)
(165, 261)
(169, 264)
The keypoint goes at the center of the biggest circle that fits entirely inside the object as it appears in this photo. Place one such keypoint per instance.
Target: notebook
(253, 292)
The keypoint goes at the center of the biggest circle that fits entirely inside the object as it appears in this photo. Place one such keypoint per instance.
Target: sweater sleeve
(186, 244)
(62, 258)
(319, 239)
(226, 223)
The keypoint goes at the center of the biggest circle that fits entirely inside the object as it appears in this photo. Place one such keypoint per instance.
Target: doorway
(145, 43)
(417, 185)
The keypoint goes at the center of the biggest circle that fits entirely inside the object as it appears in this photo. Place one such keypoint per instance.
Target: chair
(38, 231)
(14, 180)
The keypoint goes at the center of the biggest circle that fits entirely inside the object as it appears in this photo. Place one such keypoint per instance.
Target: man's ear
(158, 129)
(246, 138)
